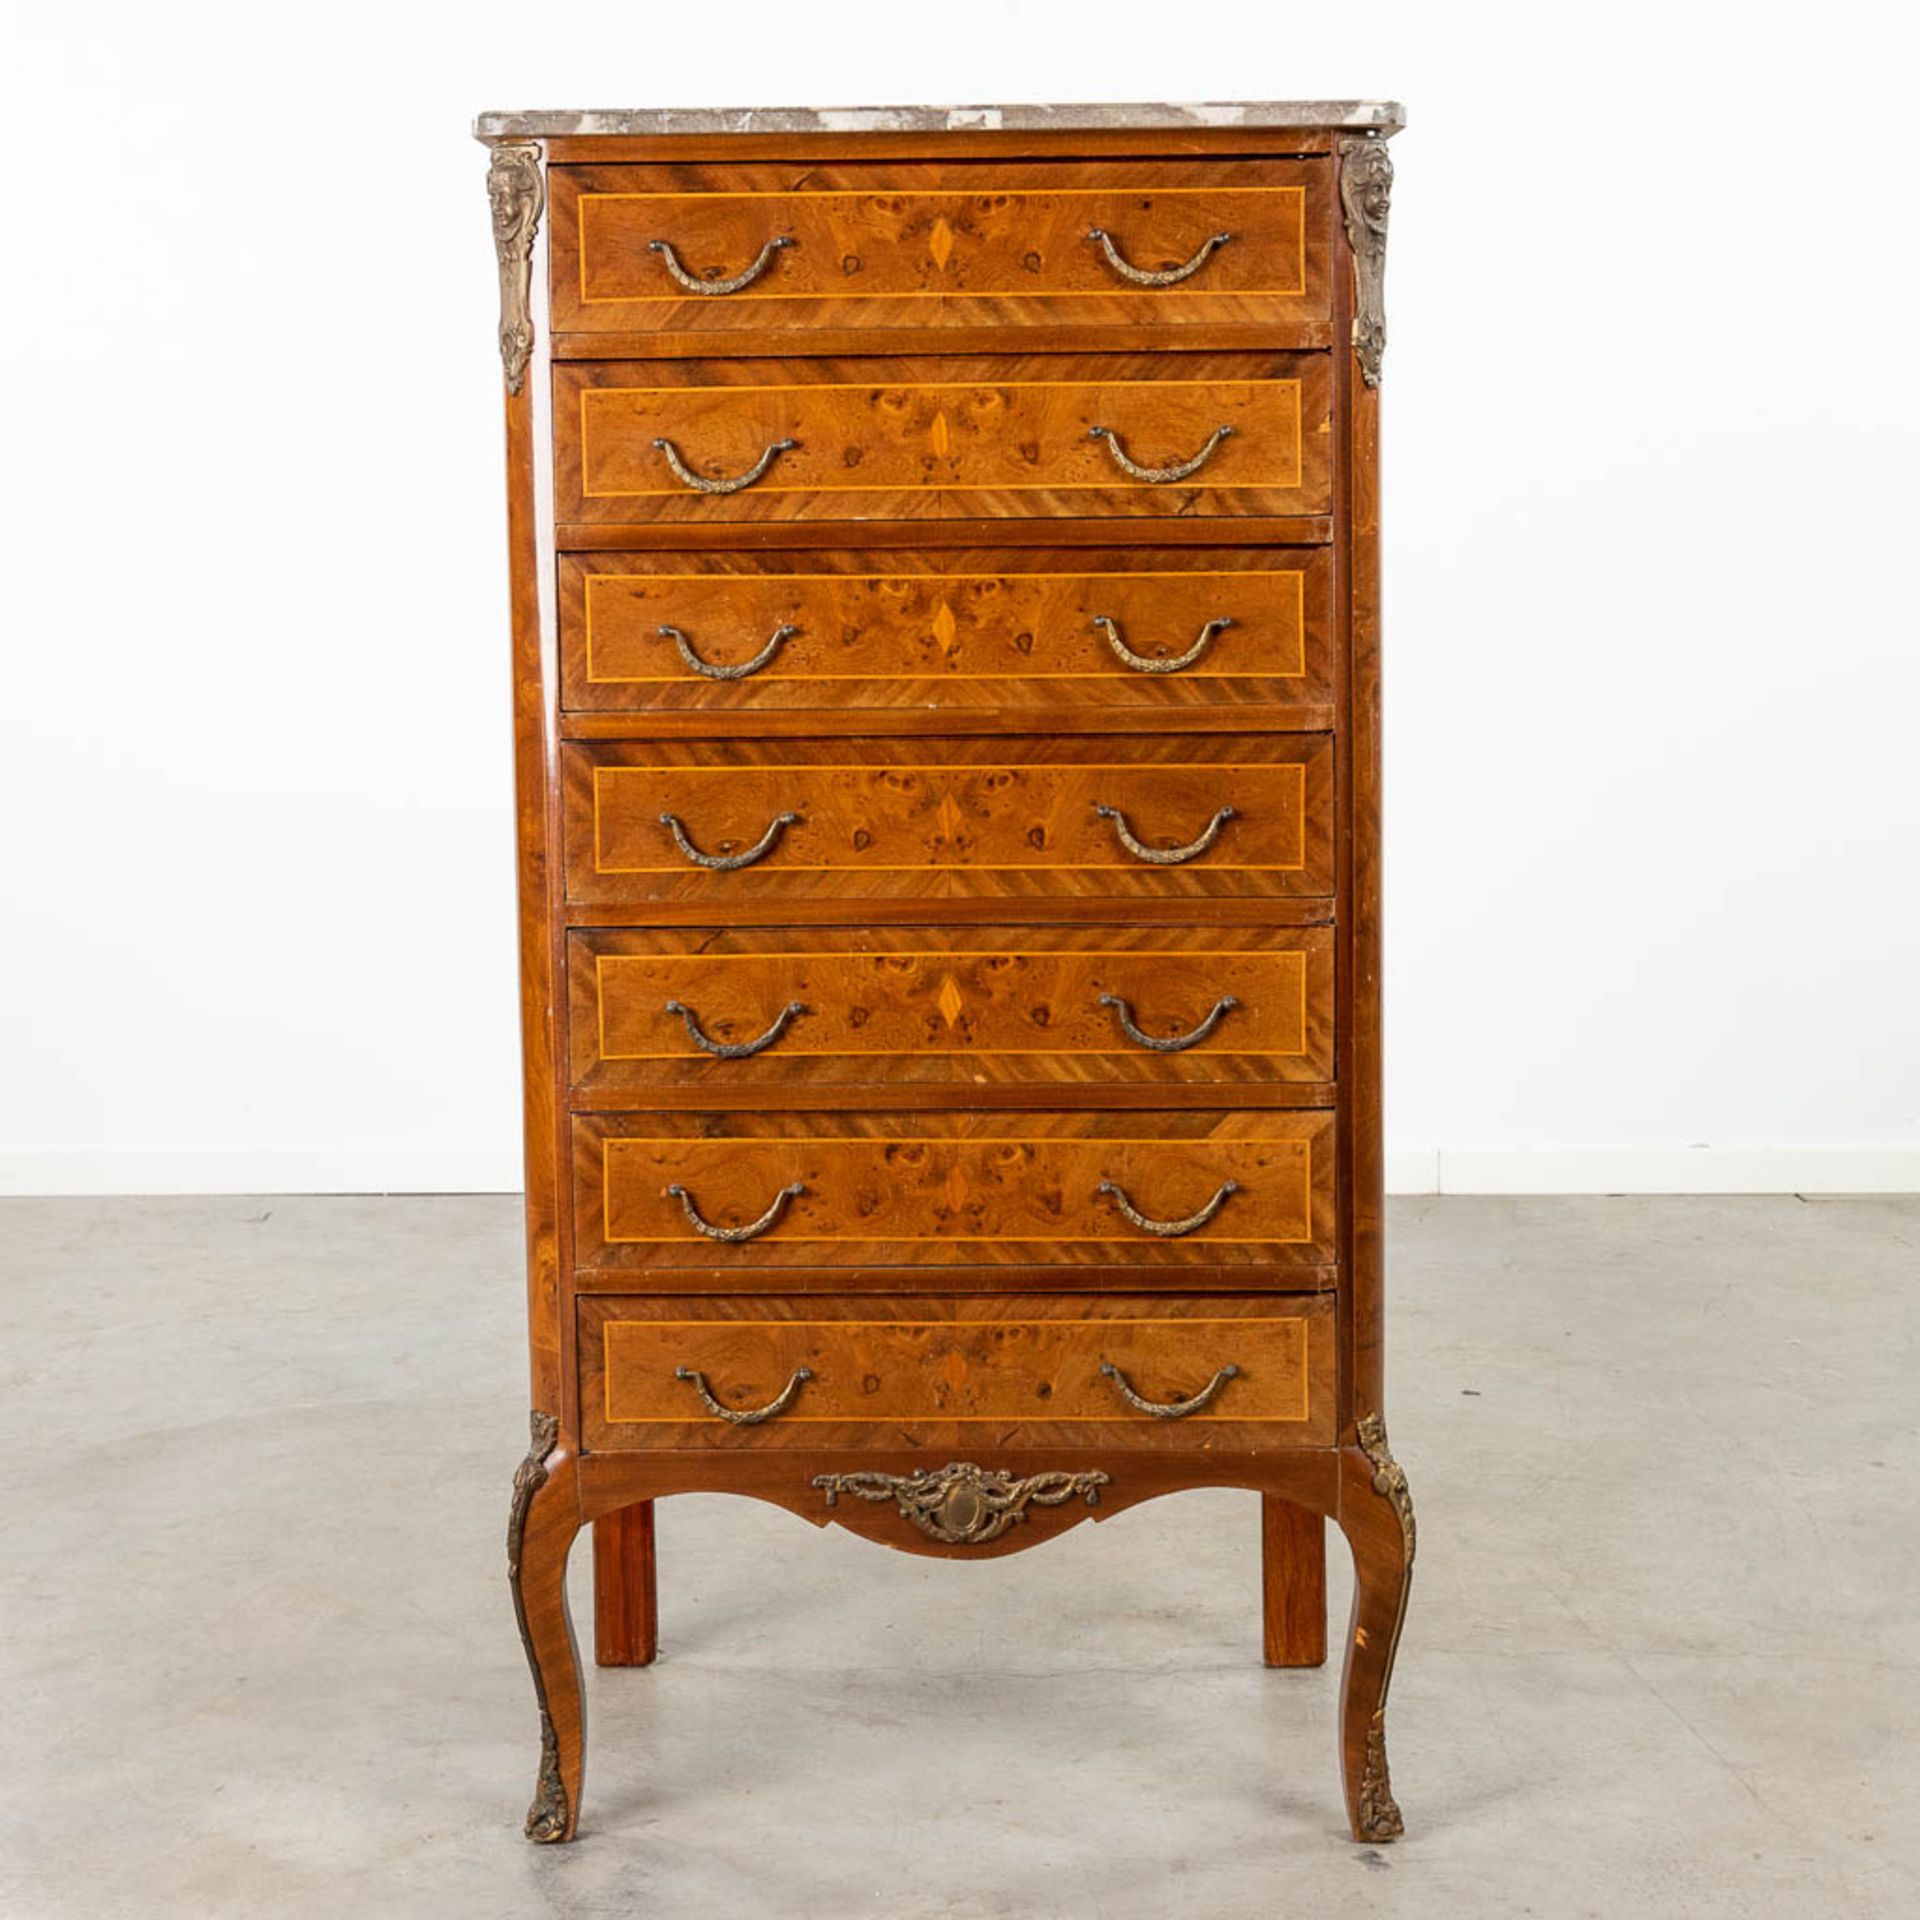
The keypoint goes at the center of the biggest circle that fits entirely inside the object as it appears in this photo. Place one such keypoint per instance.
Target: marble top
(1384, 117)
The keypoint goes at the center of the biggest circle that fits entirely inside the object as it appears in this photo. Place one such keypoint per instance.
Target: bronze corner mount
(516, 187)
(528, 1478)
(1366, 193)
(1377, 1816)
(1389, 1477)
(549, 1818)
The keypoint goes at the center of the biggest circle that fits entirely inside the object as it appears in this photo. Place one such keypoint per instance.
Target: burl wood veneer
(945, 608)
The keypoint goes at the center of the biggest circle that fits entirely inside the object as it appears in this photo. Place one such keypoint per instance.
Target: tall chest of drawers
(945, 623)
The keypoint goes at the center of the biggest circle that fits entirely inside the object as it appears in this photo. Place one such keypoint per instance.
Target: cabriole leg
(1376, 1515)
(1293, 1575)
(626, 1608)
(544, 1517)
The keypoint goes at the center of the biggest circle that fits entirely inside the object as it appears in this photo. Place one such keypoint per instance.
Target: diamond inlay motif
(940, 434)
(948, 815)
(946, 629)
(949, 1000)
(940, 242)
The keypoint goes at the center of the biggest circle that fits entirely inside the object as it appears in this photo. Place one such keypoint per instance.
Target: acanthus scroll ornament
(1366, 191)
(517, 190)
(528, 1478)
(1379, 1811)
(961, 1504)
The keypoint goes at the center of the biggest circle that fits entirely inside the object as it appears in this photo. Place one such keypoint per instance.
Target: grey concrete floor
(257, 1657)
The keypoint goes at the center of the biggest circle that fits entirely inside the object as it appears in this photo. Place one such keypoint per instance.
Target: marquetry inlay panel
(1016, 1006)
(842, 633)
(952, 819)
(930, 1190)
(984, 1362)
(915, 439)
(912, 245)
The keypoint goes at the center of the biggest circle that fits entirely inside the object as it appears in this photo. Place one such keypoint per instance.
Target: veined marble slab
(1384, 117)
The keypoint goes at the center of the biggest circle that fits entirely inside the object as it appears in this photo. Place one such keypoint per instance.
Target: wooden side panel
(935, 1007)
(959, 819)
(1367, 1261)
(924, 438)
(1358, 960)
(844, 634)
(924, 1191)
(924, 246)
(975, 1371)
(540, 882)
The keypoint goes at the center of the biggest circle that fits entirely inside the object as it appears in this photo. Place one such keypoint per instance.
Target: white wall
(1654, 672)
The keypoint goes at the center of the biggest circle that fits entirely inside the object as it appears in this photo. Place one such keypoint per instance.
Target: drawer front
(1235, 815)
(772, 633)
(718, 442)
(783, 246)
(976, 1371)
(1006, 1006)
(769, 1191)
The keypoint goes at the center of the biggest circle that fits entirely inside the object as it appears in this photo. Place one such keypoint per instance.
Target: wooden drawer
(950, 819)
(927, 1190)
(933, 439)
(946, 1008)
(1150, 630)
(976, 1371)
(920, 247)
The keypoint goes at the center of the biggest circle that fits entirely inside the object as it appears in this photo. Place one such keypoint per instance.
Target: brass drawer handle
(1139, 662)
(740, 281)
(740, 1049)
(1176, 1042)
(729, 862)
(733, 1236)
(748, 1416)
(1169, 1409)
(709, 671)
(1158, 475)
(1167, 277)
(963, 1505)
(1170, 1229)
(1164, 856)
(701, 484)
